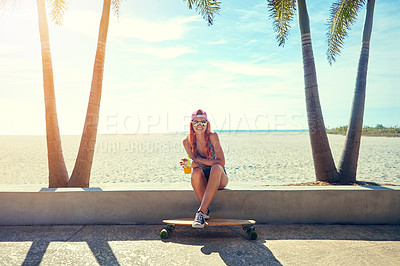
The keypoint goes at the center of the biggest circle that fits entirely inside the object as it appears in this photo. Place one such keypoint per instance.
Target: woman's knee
(216, 171)
(217, 167)
(197, 174)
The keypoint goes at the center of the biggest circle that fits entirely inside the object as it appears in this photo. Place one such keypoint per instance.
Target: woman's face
(199, 125)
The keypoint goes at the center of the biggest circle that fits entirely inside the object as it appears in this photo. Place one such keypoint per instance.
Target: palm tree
(282, 13)
(207, 8)
(343, 15)
(83, 164)
(58, 175)
(81, 173)
(57, 10)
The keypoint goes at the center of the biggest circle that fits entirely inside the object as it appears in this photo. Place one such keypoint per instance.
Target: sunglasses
(198, 123)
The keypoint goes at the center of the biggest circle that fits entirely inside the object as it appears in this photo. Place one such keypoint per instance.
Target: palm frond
(116, 5)
(343, 15)
(57, 10)
(207, 8)
(282, 14)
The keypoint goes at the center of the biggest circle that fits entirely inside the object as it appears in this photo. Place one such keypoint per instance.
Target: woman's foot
(199, 220)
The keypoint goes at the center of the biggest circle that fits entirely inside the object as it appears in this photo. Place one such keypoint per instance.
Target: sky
(163, 62)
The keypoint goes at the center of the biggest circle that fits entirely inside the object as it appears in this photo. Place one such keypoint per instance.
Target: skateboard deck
(247, 225)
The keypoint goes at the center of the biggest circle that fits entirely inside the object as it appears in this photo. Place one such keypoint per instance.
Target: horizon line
(176, 132)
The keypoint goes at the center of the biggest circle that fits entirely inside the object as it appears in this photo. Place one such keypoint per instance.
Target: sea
(261, 158)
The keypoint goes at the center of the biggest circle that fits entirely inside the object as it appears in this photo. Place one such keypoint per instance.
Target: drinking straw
(188, 160)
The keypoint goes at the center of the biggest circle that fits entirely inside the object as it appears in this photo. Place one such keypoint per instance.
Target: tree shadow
(100, 249)
(42, 236)
(231, 243)
(36, 253)
(103, 252)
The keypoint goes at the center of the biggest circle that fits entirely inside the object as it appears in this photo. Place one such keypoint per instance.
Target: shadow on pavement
(128, 241)
(36, 253)
(112, 244)
(231, 243)
(331, 232)
(42, 236)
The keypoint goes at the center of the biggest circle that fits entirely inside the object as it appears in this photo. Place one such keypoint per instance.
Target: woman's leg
(217, 180)
(199, 183)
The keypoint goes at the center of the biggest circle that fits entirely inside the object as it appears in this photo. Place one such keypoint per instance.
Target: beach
(253, 159)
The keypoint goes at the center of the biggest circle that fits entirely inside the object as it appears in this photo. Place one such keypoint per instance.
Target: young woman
(208, 163)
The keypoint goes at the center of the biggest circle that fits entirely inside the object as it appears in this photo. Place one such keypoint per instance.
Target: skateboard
(247, 225)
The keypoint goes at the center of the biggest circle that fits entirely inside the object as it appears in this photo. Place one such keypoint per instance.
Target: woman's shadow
(231, 243)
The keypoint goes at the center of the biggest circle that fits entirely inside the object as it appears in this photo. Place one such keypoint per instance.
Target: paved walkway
(141, 245)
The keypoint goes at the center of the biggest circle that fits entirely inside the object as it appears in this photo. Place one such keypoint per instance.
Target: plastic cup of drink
(187, 169)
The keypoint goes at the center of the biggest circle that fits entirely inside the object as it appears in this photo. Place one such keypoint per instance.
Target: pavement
(228, 245)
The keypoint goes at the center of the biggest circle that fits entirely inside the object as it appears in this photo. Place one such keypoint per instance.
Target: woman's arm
(219, 153)
(186, 145)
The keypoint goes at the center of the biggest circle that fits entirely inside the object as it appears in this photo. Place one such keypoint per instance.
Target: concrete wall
(283, 205)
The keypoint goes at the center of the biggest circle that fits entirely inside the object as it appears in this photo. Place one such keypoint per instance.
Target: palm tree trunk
(58, 175)
(324, 165)
(81, 174)
(349, 159)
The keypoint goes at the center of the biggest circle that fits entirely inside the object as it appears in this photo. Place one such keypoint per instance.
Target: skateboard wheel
(164, 234)
(253, 235)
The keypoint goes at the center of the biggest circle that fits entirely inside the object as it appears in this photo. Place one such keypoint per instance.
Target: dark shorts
(207, 169)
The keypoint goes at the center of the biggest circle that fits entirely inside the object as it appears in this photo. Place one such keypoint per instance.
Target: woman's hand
(184, 162)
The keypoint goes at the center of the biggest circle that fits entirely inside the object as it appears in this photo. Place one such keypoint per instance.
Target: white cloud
(150, 31)
(218, 42)
(146, 30)
(251, 41)
(166, 53)
(259, 70)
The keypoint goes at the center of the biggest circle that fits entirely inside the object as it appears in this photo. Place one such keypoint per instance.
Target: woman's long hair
(192, 137)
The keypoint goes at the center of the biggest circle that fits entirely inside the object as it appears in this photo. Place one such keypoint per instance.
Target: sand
(252, 159)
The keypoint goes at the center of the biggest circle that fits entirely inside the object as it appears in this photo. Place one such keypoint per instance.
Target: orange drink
(187, 169)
